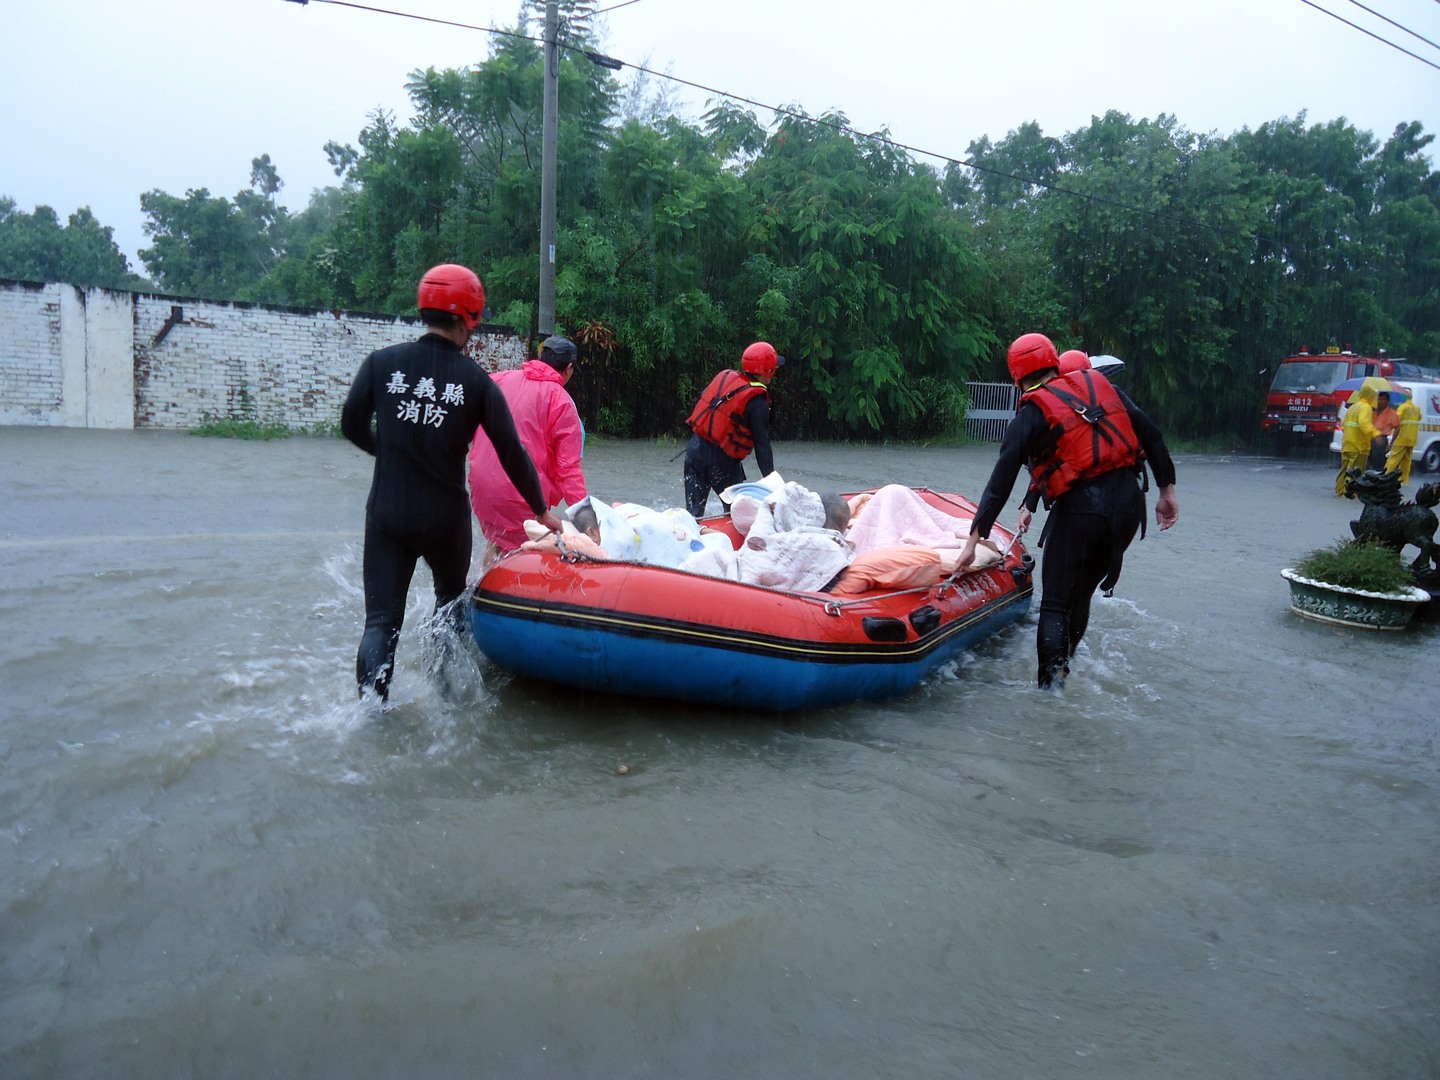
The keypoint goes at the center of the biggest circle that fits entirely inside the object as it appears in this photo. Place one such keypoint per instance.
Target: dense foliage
(1198, 259)
(36, 247)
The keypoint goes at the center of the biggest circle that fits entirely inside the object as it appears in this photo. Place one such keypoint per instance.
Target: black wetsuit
(426, 399)
(708, 468)
(1086, 535)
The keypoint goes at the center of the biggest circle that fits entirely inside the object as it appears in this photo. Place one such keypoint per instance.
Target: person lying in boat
(580, 535)
(586, 521)
(889, 539)
(896, 514)
(902, 542)
(906, 566)
(629, 532)
(794, 540)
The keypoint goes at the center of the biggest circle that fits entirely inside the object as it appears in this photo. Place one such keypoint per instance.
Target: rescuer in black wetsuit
(1084, 442)
(426, 399)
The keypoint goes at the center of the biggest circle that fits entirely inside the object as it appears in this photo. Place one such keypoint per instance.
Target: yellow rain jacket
(1402, 446)
(1360, 425)
(1359, 428)
(1408, 431)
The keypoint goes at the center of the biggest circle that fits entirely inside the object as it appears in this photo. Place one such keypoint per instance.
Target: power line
(430, 19)
(615, 65)
(1393, 23)
(845, 129)
(1371, 33)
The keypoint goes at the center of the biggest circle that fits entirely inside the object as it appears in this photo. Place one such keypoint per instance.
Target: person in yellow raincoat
(1407, 434)
(1360, 432)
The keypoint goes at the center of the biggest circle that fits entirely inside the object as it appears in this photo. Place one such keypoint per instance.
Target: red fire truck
(1302, 405)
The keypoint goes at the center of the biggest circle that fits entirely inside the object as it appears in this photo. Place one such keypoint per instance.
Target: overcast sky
(106, 99)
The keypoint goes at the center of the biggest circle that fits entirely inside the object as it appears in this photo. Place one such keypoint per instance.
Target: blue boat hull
(625, 652)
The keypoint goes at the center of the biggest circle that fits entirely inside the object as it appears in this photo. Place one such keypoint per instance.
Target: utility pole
(547, 171)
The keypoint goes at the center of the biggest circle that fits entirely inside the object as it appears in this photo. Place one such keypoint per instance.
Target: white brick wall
(216, 360)
(30, 369)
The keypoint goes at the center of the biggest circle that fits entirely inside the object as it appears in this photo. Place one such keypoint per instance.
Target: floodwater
(1214, 855)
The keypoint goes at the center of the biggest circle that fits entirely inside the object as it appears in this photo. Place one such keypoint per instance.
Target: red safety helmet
(761, 359)
(453, 288)
(1073, 360)
(1030, 353)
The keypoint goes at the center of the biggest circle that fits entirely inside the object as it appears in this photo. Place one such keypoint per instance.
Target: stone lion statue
(1395, 523)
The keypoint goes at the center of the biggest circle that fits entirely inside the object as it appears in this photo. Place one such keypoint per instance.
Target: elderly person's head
(837, 511)
(585, 520)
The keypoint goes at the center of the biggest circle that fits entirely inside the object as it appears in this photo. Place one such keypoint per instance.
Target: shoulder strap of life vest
(1093, 412)
(714, 415)
(1073, 405)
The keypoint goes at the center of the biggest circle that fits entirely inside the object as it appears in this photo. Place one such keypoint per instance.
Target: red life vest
(718, 416)
(1095, 435)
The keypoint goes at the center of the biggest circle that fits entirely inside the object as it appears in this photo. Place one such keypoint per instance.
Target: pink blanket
(896, 515)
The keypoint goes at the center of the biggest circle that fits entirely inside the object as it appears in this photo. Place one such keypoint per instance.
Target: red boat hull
(650, 631)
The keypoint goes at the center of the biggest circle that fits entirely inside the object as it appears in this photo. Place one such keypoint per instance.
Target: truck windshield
(1309, 376)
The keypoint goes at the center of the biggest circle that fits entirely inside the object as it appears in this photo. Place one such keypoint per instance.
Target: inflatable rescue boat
(651, 631)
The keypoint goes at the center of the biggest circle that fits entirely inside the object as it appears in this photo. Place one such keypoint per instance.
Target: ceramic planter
(1353, 607)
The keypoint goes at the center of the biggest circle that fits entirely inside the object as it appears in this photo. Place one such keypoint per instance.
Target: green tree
(461, 182)
(36, 247)
(868, 273)
(642, 272)
(1405, 242)
(1009, 175)
(1152, 249)
(210, 246)
(310, 272)
(1310, 277)
(1002, 193)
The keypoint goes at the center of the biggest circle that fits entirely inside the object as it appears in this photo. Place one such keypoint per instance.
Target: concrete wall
(72, 357)
(32, 375)
(104, 354)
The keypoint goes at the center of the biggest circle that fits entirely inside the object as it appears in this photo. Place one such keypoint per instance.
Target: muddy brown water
(1214, 855)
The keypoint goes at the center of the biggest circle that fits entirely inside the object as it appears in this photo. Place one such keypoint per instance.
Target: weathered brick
(218, 360)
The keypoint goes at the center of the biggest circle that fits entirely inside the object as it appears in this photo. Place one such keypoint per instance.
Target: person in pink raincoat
(549, 427)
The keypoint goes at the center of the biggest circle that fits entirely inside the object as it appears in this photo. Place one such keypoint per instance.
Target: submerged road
(1213, 855)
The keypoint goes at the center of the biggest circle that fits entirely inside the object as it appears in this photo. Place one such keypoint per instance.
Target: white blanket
(630, 532)
(786, 545)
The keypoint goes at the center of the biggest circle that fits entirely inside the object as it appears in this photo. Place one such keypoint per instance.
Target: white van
(1427, 447)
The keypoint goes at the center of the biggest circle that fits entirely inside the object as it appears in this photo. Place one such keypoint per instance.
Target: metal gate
(992, 407)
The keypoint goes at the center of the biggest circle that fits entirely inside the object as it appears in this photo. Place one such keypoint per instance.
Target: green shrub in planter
(1356, 564)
